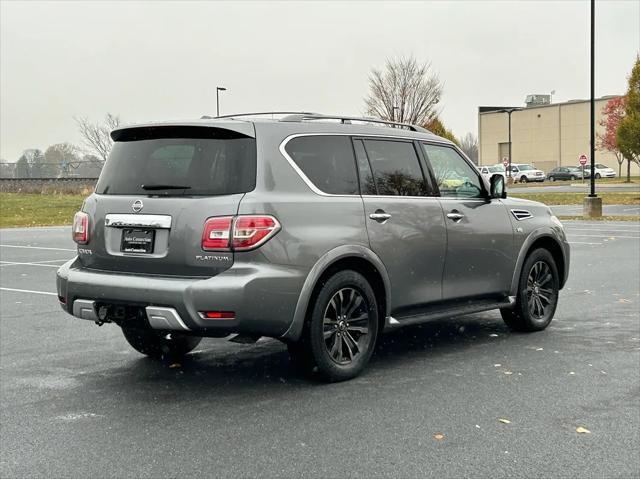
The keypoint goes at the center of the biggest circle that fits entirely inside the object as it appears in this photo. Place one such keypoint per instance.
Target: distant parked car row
(524, 173)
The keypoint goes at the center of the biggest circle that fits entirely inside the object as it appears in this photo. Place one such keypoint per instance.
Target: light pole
(508, 111)
(592, 205)
(218, 90)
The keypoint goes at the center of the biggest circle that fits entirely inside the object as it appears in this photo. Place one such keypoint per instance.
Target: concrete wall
(545, 136)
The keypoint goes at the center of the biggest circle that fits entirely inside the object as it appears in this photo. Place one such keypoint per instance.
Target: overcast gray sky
(162, 60)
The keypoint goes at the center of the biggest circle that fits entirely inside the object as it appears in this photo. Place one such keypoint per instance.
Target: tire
(573, 178)
(535, 273)
(157, 346)
(598, 176)
(524, 179)
(341, 329)
(552, 178)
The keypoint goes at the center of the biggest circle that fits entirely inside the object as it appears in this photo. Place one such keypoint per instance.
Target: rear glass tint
(204, 161)
(327, 161)
(396, 168)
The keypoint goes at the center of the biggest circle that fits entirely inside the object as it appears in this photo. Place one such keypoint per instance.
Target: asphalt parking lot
(77, 401)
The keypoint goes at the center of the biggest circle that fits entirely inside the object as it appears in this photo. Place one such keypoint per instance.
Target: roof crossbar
(348, 119)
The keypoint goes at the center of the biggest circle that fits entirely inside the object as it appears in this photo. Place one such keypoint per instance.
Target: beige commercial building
(543, 134)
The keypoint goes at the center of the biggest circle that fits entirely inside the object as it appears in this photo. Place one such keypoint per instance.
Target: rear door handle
(380, 216)
(455, 216)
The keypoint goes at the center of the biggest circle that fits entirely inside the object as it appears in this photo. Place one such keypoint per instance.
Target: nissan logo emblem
(137, 206)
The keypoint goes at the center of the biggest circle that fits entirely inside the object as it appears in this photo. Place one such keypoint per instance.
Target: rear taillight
(251, 231)
(216, 234)
(239, 233)
(80, 230)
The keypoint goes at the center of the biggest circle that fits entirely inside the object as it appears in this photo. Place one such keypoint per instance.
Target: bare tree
(406, 91)
(469, 144)
(96, 137)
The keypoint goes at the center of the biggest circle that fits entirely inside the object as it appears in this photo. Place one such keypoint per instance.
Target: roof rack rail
(260, 113)
(348, 119)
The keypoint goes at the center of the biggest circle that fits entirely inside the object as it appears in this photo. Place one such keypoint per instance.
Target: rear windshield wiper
(165, 187)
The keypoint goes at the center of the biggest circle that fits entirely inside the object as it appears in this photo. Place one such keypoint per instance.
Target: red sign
(505, 161)
(583, 160)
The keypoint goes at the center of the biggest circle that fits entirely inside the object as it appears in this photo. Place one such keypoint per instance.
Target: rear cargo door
(157, 189)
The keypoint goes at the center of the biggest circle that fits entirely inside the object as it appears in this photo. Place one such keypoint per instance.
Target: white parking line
(35, 247)
(28, 291)
(11, 263)
(52, 260)
(582, 242)
(606, 236)
(631, 230)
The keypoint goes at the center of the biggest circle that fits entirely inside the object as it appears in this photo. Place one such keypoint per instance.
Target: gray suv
(320, 231)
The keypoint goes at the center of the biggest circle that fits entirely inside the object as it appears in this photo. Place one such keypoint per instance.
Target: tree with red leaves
(613, 112)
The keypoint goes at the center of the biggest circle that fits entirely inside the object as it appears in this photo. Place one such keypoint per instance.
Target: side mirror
(498, 189)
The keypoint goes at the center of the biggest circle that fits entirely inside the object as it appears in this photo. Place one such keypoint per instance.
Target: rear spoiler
(212, 130)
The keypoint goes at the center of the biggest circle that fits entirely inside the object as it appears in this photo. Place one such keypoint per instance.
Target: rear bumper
(263, 299)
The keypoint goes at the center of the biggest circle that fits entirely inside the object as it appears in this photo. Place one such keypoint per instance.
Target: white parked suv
(524, 173)
(489, 171)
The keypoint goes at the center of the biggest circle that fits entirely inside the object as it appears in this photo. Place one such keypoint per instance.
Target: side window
(327, 161)
(454, 176)
(396, 168)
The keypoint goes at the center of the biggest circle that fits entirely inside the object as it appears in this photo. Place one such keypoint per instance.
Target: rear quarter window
(327, 161)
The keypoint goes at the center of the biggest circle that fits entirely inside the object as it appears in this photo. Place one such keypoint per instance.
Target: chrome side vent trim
(521, 214)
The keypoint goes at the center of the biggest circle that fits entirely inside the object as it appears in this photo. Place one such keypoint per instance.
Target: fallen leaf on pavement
(508, 373)
(504, 421)
(438, 436)
(622, 300)
(175, 365)
(540, 349)
(582, 430)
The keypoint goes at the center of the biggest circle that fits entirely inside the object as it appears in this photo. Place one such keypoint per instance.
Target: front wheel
(598, 176)
(524, 179)
(341, 330)
(552, 178)
(157, 345)
(573, 178)
(537, 296)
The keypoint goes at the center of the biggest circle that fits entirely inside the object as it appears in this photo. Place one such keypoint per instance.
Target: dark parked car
(567, 173)
(319, 231)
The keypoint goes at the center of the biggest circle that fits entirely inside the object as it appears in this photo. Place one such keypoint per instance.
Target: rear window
(199, 161)
(327, 161)
(396, 168)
